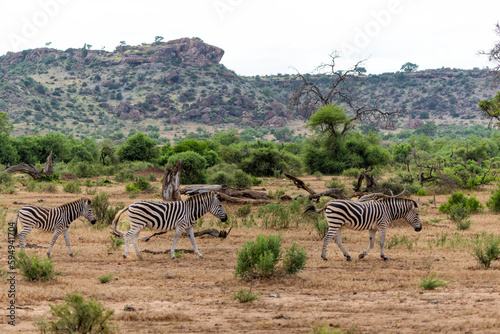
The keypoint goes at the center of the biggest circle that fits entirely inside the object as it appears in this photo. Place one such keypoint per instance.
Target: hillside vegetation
(163, 85)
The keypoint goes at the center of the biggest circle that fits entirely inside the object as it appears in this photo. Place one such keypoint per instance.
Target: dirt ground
(189, 294)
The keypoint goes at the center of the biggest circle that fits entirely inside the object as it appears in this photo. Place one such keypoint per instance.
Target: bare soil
(189, 294)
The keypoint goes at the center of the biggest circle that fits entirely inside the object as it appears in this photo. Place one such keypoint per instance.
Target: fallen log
(336, 193)
(168, 251)
(211, 231)
(238, 196)
(237, 200)
(31, 170)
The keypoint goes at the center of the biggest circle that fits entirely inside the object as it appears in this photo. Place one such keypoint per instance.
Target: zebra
(55, 219)
(372, 216)
(164, 216)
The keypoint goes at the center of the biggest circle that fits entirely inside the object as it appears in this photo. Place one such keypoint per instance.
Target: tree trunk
(32, 170)
(171, 183)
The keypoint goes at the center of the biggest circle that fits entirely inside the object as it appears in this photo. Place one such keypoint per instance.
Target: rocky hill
(164, 84)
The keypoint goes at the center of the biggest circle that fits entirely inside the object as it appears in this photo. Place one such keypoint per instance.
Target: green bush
(334, 183)
(229, 174)
(494, 202)
(245, 296)
(244, 211)
(106, 278)
(260, 259)
(35, 269)
(432, 283)
(72, 187)
(486, 249)
(457, 198)
(125, 175)
(221, 178)
(103, 212)
(295, 259)
(84, 170)
(77, 316)
(460, 215)
(6, 179)
(274, 215)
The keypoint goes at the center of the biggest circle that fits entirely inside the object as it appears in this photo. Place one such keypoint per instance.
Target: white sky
(269, 36)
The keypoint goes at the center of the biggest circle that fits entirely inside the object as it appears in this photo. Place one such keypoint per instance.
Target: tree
(308, 95)
(158, 39)
(330, 120)
(491, 108)
(494, 56)
(5, 126)
(139, 147)
(409, 67)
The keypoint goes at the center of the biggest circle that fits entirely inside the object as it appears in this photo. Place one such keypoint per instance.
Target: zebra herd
(181, 215)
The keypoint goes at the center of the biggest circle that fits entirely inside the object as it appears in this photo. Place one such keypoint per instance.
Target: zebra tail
(116, 219)
(311, 207)
(15, 226)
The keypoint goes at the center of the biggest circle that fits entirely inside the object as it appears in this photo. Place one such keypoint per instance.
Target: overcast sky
(269, 36)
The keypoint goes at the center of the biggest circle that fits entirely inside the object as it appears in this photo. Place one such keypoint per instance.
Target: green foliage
(243, 211)
(486, 249)
(334, 183)
(320, 328)
(77, 316)
(458, 198)
(35, 269)
(245, 296)
(103, 212)
(138, 147)
(460, 215)
(72, 187)
(193, 169)
(432, 283)
(115, 243)
(403, 240)
(230, 175)
(491, 108)
(494, 202)
(106, 278)
(275, 215)
(260, 259)
(84, 170)
(295, 259)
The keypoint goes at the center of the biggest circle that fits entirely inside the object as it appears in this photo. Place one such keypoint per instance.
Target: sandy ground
(189, 294)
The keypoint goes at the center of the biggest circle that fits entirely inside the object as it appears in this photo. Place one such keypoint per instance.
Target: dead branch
(333, 192)
(168, 251)
(371, 183)
(31, 170)
(377, 196)
(237, 200)
(171, 183)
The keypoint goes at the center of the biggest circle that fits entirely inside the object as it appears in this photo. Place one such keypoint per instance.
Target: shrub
(432, 283)
(84, 170)
(35, 269)
(486, 249)
(6, 179)
(457, 198)
(116, 242)
(125, 175)
(72, 187)
(352, 172)
(460, 215)
(77, 316)
(494, 202)
(334, 183)
(260, 259)
(295, 259)
(275, 215)
(106, 278)
(245, 296)
(102, 210)
(222, 178)
(244, 211)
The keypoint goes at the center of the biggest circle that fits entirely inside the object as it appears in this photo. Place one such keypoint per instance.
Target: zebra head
(87, 211)
(216, 208)
(412, 216)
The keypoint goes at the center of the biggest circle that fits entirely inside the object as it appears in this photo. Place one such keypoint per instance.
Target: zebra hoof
(385, 258)
(124, 256)
(348, 258)
(324, 257)
(361, 255)
(71, 254)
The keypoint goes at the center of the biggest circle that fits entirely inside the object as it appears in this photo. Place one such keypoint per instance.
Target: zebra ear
(89, 201)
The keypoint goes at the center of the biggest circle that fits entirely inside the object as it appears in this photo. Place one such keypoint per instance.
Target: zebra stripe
(164, 216)
(56, 219)
(372, 216)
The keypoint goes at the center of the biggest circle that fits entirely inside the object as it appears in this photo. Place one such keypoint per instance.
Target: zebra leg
(54, 238)
(332, 231)
(66, 238)
(178, 232)
(338, 241)
(381, 235)
(23, 235)
(191, 237)
(126, 237)
(372, 243)
(134, 242)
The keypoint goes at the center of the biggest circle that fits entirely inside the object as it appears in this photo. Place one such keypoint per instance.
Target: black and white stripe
(164, 216)
(56, 219)
(372, 216)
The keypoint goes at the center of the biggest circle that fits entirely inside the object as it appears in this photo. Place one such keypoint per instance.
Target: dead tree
(31, 170)
(307, 96)
(336, 193)
(170, 187)
(371, 183)
(237, 196)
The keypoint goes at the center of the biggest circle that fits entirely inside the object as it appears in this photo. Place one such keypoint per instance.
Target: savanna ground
(189, 294)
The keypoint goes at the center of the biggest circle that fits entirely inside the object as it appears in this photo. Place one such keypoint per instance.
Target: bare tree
(308, 96)
(494, 56)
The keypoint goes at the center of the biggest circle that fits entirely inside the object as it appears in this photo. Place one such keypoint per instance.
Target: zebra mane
(195, 197)
(69, 204)
(400, 199)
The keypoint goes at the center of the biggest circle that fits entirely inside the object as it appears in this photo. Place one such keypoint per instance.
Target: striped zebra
(372, 216)
(55, 219)
(164, 216)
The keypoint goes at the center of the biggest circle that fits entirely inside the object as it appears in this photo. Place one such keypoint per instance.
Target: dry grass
(193, 295)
